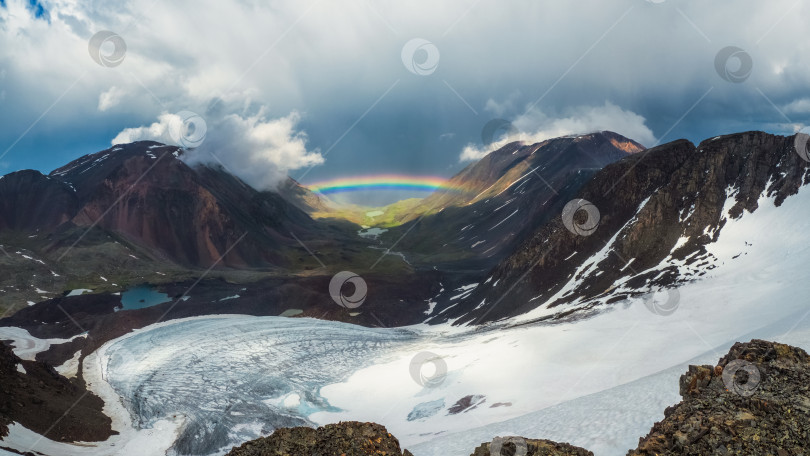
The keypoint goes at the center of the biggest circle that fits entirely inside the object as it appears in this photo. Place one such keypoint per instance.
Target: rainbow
(383, 182)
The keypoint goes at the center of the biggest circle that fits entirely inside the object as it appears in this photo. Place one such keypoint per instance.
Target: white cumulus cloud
(110, 98)
(259, 151)
(157, 131)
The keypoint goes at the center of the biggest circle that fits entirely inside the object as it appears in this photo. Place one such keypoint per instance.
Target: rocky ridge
(756, 401)
(657, 209)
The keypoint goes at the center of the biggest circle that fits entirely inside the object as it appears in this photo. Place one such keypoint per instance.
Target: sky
(320, 90)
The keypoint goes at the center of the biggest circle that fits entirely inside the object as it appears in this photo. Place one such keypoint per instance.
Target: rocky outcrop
(346, 438)
(517, 446)
(756, 401)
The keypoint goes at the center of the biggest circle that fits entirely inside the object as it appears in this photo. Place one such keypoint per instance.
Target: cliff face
(653, 209)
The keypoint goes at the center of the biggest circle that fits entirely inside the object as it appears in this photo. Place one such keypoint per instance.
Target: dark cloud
(340, 68)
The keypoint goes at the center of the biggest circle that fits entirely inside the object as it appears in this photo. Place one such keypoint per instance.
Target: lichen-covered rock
(517, 446)
(755, 402)
(349, 438)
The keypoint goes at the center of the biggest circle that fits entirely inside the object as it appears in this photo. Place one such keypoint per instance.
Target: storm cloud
(645, 69)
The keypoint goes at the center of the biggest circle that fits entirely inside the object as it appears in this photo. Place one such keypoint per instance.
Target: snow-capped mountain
(644, 226)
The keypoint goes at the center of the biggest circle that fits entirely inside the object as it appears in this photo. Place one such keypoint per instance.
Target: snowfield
(209, 383)
(26, 346)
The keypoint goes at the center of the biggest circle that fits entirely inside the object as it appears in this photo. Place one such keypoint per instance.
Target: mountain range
(532, 235)
(137, 213)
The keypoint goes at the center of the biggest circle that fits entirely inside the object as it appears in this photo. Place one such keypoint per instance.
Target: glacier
(234, 379)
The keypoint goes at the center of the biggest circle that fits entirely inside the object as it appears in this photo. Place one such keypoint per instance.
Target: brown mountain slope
(505, 196)
(143, 195)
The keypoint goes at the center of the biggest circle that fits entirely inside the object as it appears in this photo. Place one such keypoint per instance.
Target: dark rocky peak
(654, 208)
(508, 195)
(30, 201)
(88, 172)
(591, 151)
(144, 195)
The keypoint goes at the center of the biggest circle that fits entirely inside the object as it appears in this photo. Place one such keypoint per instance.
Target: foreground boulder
(517, 446)
(755, 402)
(347, 438)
